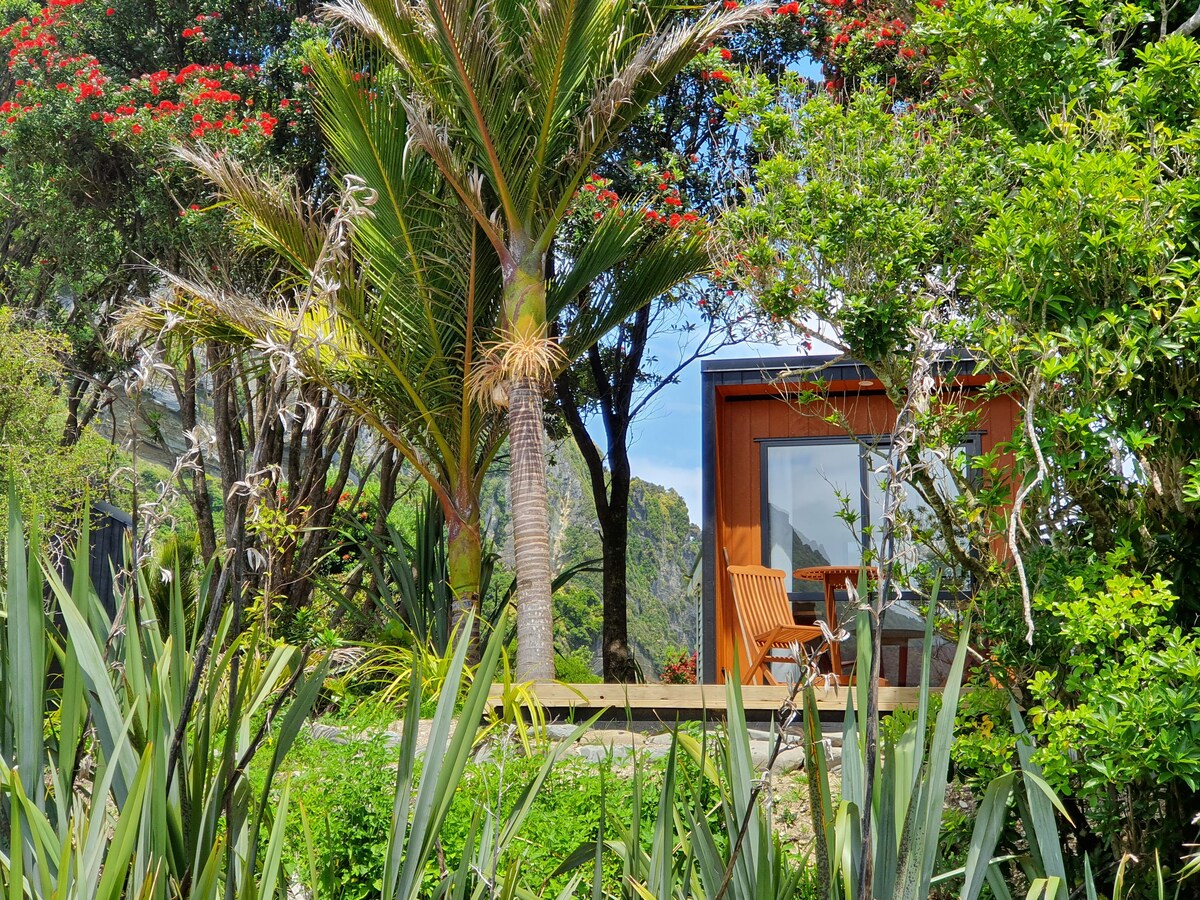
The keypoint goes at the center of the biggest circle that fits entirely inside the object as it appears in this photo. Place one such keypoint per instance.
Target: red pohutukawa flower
(218, 98)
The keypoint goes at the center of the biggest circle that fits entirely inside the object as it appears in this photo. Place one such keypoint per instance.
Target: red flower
(908, 52)
(731, 4)
(726, 54)
(672, 201)
(110, 11)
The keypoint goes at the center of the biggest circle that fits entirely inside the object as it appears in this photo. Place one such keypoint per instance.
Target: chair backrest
(761, 600)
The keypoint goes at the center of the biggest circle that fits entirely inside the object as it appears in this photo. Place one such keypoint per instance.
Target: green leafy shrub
(575, 667)
(1120, 719)
(50, 477)
(346, 792)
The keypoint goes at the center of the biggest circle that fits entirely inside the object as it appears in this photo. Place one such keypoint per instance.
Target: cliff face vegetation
(664, 546)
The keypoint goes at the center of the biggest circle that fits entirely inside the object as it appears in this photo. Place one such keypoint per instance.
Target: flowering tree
(90, 101)
(98, 205)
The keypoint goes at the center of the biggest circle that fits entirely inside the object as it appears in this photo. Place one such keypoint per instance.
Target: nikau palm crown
(516, 102)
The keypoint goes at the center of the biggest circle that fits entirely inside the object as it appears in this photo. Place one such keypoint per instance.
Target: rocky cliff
(663, 549)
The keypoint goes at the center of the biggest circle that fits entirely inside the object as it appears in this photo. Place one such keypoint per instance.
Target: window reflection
(919, 544)
(807, 488)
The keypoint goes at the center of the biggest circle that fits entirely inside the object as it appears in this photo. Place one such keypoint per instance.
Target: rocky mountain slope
(664, 547)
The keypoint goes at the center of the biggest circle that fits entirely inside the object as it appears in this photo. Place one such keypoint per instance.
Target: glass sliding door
(808, 490)
(823, 503)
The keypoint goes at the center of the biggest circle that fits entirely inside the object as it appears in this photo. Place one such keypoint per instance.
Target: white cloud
(685, 479)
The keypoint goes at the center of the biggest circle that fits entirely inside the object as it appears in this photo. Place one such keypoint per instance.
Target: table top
(831, 573)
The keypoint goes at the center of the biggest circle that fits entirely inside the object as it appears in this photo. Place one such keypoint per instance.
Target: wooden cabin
(774, 473)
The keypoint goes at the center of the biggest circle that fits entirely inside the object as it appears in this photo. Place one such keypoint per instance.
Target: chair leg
(757, 666)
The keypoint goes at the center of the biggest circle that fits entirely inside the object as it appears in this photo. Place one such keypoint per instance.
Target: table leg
(831, 617)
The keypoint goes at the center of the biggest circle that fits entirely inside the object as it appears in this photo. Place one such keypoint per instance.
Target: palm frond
(624, 94)
(626, 264)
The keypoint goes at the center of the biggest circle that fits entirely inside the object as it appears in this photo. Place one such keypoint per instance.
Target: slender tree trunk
(464, 555)
(528, 351)
(531, 531)
(618, 658)
(614, 525)
(197, 492)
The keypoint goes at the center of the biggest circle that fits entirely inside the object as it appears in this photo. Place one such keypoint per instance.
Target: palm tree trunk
(531, 531)
(528, 362)
(464, 553)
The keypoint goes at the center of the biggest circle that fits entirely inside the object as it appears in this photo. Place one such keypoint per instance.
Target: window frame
(863, 445)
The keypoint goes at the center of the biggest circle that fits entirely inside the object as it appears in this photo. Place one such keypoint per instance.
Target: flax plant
(90, 708)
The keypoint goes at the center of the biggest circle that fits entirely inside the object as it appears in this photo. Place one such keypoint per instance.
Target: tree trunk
(528, 350)
(531, 531)
(464, 554)
(618, 660)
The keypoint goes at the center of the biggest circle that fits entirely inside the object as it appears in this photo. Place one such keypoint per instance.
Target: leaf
(989, 824)
(26, 651)
(1041, 809)
(124, 838)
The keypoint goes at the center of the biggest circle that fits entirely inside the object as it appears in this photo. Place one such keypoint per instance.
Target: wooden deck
(689, 701)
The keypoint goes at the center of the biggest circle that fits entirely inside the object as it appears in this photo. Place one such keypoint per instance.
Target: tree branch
(1190, 26)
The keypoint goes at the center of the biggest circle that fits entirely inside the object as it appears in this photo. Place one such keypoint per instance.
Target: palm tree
(386, 295)
(390, 294)
(516, 101)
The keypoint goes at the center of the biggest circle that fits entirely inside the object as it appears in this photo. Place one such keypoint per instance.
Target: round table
(834, 578)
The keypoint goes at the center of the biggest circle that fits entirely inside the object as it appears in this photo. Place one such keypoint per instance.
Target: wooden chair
(765, 617)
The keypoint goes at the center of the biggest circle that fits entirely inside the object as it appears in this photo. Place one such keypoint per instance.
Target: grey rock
(614, 738)
(760, 752)
(663, 740)
(788, 761)
(560, 731)
(598, 752)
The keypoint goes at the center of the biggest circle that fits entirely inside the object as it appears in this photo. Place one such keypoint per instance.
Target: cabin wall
(742, 415)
